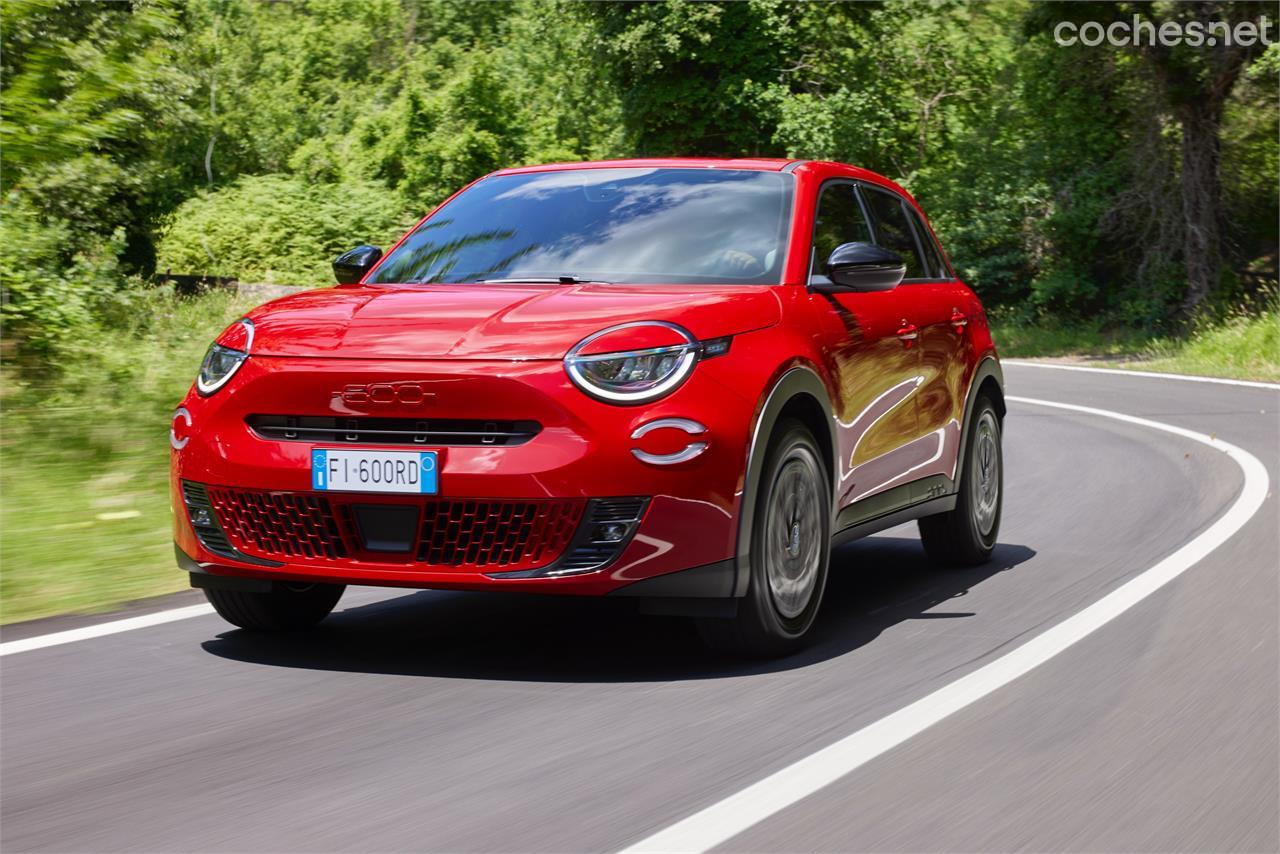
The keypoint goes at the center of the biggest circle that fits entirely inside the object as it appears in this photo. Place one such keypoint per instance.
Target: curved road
(466, 722)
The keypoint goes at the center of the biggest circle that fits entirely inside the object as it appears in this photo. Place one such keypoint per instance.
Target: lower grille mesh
(279, 523)
(452, 533)
(496, 533)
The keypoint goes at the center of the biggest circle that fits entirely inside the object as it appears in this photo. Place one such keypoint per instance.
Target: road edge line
(113, 627)
(727, 818)
(1025, 363)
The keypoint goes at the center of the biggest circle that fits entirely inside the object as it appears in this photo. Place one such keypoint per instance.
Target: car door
(938, 308)
(878, 372)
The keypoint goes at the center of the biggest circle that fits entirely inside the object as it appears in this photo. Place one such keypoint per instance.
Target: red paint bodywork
(495, 352)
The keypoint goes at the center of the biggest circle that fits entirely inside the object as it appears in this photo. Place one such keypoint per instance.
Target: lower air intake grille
(280, 523)
(496, 533)
(461, 534)
(607, 528)
(204, 521)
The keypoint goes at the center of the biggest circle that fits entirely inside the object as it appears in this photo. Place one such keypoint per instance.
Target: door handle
(958, 320)
(908, 333)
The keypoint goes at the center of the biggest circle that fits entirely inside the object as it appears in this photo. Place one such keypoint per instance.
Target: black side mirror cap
(350, 267)
(863, 267)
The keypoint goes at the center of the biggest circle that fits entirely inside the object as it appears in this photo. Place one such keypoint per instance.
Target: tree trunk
(1201, 199)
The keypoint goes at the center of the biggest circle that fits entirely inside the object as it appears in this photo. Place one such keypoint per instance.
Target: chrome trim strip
(182, 412)
(685, 455)
(693, 428)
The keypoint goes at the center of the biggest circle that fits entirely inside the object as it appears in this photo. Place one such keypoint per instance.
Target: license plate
(410, 472)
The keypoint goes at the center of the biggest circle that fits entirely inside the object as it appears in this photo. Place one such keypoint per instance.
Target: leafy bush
(278, 229)
(57, 281)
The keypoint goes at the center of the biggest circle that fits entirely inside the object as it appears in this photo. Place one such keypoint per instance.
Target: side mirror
(350, 267)
(864, 267)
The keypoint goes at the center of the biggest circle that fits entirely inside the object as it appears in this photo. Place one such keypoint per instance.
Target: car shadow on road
(874, 583)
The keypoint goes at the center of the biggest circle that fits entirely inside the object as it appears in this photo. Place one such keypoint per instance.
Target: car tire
(288, 607)
(966, 535)
(790, 551)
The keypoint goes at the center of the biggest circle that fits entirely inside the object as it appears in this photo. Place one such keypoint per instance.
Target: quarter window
(937, 267)
(893, 230)
(839, 220)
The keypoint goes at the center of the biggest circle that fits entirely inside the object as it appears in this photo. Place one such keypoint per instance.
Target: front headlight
(635, 374)
(224, 357)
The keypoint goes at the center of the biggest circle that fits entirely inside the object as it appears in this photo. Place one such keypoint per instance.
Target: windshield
(675, 226)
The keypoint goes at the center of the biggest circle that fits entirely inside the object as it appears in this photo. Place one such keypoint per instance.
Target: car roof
(821, 168)
(758, 164)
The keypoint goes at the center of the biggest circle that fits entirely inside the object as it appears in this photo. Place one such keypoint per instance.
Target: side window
(839, 220)
(932, 255)
(893, 231)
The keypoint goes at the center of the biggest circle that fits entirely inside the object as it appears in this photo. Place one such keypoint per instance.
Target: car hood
(492, 321)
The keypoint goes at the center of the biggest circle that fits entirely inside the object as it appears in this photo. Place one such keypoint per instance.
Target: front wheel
(790, 548)
(967, 535)
(287, 607)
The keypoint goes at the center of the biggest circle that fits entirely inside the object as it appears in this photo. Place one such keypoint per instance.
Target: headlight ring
(634, 376)
(221, 363)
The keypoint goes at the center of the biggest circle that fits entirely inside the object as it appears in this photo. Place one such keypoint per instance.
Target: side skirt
(867, 527)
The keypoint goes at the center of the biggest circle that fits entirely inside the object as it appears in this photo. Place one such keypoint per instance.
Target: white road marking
(103, 629)
(726, 819)
(1126, 373)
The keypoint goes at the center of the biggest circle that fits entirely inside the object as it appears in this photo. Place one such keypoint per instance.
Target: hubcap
(984, 479)
(792, 540)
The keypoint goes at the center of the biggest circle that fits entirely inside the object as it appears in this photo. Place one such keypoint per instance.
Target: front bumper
(582, 453)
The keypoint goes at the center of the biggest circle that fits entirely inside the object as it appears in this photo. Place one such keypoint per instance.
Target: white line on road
(1127, 373)
(102, 629)
(726, 819)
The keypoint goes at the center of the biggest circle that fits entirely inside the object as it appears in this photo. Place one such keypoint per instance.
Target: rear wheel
(288, 607)
(967, 535)
(790, 547)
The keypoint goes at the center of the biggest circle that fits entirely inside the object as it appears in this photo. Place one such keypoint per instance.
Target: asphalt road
(469, 722)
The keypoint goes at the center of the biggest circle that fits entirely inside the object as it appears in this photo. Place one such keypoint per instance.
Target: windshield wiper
(533, 280)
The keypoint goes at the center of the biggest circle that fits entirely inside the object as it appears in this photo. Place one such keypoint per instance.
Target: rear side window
(893, 230)
(932, 255)
(839, 220)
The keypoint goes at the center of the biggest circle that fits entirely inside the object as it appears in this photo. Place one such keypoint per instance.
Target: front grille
(392, 431)
(462, 534)
(496, 533)
(279, 523)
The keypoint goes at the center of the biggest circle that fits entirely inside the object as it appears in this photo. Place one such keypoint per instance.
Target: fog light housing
(610, 532)
(607, 527)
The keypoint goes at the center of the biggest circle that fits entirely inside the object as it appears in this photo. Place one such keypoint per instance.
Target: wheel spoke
(793, 552)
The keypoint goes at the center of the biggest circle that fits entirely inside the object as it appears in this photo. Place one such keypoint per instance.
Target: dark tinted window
(612, 225)
(932, 255)
(893, 231)
(838, 220)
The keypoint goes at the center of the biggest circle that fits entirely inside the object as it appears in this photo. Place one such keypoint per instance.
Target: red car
(682, 380)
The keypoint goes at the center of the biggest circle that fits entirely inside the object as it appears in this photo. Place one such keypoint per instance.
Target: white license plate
(410, 472)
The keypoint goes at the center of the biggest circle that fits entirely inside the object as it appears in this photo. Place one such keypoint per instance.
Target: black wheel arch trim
(799, 380)
(988, 368)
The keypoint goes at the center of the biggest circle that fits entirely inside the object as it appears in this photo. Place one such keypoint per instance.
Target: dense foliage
(257, 139)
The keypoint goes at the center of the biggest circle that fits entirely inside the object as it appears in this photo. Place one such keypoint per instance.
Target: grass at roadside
(1241, 347)
(84, 463)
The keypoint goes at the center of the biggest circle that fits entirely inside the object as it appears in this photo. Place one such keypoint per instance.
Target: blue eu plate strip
(427, 461)
(319, 465)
